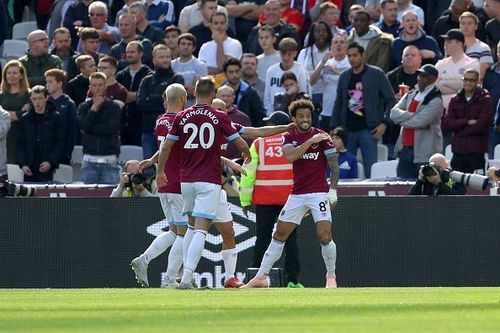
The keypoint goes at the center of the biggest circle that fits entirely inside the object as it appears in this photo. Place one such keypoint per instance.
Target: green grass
(256, 311)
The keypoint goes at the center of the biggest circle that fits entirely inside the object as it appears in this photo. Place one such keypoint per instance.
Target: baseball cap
(278, 118)
(454, 34)
(429, 70)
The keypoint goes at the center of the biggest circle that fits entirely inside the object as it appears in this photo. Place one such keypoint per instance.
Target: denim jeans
(406, 168)
(149, 145)
(368, 145)
(100, 173)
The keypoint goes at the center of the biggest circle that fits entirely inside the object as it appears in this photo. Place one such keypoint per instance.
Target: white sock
(159, 245)
(273, 253)
(185, 245)
(329, 252)
(175, 257)
(194, 255)
(230, 258)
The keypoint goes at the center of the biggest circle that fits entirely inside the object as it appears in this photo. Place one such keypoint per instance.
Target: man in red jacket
(469, 118)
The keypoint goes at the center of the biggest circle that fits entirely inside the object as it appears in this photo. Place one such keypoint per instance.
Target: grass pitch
(255, 311)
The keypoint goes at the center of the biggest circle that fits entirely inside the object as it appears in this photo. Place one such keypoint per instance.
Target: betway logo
(155, 230)
(310, 156)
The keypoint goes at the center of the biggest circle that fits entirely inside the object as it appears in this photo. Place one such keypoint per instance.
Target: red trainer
(233, 283)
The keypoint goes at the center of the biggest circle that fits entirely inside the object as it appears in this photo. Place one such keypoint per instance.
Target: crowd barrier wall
(381, 241)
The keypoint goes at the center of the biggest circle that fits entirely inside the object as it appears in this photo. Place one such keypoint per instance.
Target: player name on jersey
(199, 112)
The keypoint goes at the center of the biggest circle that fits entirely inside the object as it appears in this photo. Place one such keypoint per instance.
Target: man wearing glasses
(469, 119)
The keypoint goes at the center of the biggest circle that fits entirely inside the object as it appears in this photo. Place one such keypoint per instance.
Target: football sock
(194, 255)
(273, 253)
(187, 241)
(329, 253)
(230, 258)
(175, 257)
(159, 245)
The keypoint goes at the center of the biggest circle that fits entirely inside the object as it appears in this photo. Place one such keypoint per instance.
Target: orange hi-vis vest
(274, 178)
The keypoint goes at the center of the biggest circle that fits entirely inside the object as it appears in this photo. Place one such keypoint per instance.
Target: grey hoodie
(373, 32)
(4, 129)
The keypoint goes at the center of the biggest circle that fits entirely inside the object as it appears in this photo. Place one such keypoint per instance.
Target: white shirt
(191, 15)
(331, 81)
(310, 60)
(419, 11)
(208, 51)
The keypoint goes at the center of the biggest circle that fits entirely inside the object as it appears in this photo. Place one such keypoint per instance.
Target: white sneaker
(168, 283)
(140, 269)
(186, 286)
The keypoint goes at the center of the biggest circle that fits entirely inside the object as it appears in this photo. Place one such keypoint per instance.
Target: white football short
(201, 199)
(172, 208)
(298, 204)
(224, 213)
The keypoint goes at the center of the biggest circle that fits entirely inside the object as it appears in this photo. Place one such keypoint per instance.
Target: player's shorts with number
(201, 199)
(298, 204)
(223, 213)
(172, 208)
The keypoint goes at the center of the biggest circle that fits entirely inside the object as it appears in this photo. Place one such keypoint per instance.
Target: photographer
(434, 179)
(494, 174)
(133, 183)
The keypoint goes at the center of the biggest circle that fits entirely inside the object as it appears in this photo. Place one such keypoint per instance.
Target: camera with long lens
(10, 189)
(138, 177)
(472, 180)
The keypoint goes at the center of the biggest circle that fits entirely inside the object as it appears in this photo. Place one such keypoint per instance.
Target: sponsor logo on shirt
(310, 156)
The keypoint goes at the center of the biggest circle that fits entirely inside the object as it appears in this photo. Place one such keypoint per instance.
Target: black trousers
(468, 162)
(266, 218)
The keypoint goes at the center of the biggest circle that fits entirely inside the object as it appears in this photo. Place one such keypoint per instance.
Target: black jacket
(249, 102)
(101, 129)
(41, 138)
(281, 31)
(149, 97)
(77, 89)
(446, 187)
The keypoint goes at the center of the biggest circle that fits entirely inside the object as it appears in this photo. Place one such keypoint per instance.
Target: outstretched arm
(265, 131)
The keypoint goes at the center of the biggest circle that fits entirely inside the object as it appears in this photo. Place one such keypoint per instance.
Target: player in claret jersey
(309, 149)
(200, 130)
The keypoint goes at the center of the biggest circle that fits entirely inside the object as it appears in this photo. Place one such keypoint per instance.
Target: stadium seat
(21, 30)
(361, 171)
(15, 173)
(382, 153)
(63, 174)
(448, 153)
(496, 152)
(130, 153)
(384, 169)
(13, 49)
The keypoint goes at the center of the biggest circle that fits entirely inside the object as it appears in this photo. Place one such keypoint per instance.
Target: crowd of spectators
(415, 76)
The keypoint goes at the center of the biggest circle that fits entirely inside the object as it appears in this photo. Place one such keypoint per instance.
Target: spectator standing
(55, 79)
(161, 13)
(108, 35)
(127, 26)
(15, 99)
(419, 114)
(413, 34)
(474, 48)
(288, 51)
(267, 183)
(76, 17)
(40, 146)
(249, 65)
(114, 89)
(215, 52)
(130, 77)
(328, 70)
(171, 39)
(403, 78)
(269, 55)
(389, 20)
(192, 15)
(4, 129)
(78, 87)
(309, 57)
(492, 27)
(140, 11)
(99, 119)
(364, 98)
(406, 5)
(202, 31)
(37, 59)
(247, 100)
(188, 65)
(491, 83)
(89, 38)
(376, 43)
(292, 93)
(149, 97)
(62, 46)
(272, 15)
(245, 15)
(469, 119)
